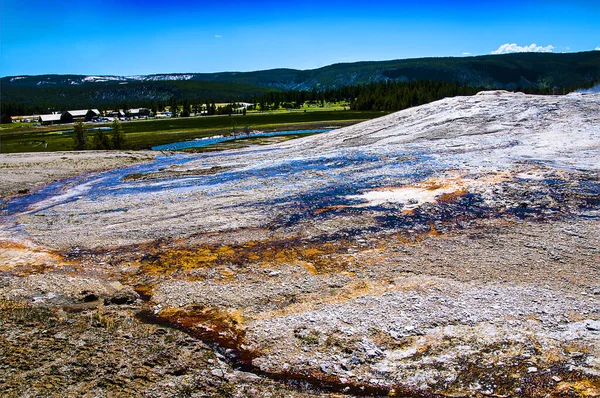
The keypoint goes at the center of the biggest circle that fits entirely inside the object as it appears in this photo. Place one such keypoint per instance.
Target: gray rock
(592, 325)
(126, 295)
(217, 372)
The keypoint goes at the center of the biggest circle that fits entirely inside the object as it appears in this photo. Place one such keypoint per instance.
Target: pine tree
(101, 140)
(118, 136)
(80, 138)
(173, 107)
(186, 108)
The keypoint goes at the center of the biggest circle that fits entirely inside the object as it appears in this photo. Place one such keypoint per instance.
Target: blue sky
(144, 37)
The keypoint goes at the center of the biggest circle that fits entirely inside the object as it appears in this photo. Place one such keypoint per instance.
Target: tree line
(387, 96)
(381, 96)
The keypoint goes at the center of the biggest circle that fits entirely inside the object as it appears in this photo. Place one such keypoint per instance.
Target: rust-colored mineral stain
(580, 388)
(452, 196)
(223, 327)
(23, 260)
(145, 291)
(315, 257)
(433, 231)
(7, 244)
(309, 267)
(330, 208)
(28, 270)
(433, 185)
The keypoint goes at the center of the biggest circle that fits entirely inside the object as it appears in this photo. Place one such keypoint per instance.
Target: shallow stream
(207, 141)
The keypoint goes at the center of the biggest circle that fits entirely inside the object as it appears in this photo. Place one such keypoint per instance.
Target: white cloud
(466, 53)
(597, 49)
(218, 36)
(514, 48)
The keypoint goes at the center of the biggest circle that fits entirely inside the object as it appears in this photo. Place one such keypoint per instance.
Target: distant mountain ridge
(509, 71)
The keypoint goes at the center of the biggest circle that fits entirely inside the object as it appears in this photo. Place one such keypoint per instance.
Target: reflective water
(217, 139)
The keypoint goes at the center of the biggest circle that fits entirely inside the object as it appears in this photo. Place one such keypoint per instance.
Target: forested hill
(509, 71)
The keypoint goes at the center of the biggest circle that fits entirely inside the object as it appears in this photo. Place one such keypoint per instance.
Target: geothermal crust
(446, 250)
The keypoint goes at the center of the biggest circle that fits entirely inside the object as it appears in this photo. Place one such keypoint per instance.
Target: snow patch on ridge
(99, 79)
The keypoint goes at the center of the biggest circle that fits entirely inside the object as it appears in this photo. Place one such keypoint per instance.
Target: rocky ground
(445, 250)
(24, 172)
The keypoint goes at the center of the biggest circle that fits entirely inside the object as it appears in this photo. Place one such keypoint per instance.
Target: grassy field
(147, 133)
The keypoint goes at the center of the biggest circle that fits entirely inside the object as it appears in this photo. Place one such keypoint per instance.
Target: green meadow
(143, 134)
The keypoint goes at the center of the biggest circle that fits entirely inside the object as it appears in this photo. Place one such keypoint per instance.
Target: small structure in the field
(139, 112)
(24, 119)
(82, 114)
(53, 118)
(118, 113)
